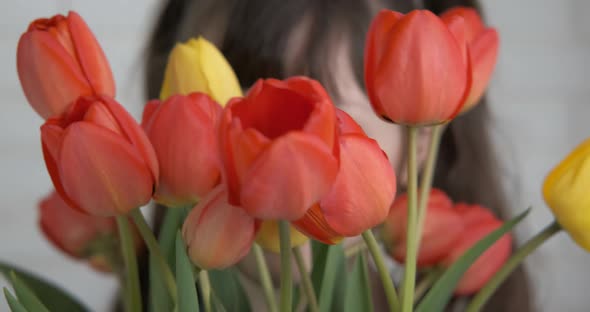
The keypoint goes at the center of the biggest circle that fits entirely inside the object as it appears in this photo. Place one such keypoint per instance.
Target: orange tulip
(442, 229)
(77, 234)
(416, 72)
(217, 234)
(278, 147)
(99, 158)
(58, 60)
(482, 43)
(362, 193)
(478, 222)
(183, 133)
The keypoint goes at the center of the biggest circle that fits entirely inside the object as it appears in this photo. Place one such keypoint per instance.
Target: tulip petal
(40, 56)
(102, 172)
(51, 140)
(268, 236)
(364, 188)
(222, 81)
(376, 36)
(314, 225)
(91, 57)
(134, 133)
(292, 174)
(184, 73)
(483, 55)
(218, 234)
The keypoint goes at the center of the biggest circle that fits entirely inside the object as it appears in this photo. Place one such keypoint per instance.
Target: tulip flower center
(274, 111)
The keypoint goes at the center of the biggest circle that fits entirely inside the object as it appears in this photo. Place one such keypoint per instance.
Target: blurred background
(539, 95)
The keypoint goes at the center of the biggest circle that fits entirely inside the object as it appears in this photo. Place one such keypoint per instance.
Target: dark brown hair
(253, 35)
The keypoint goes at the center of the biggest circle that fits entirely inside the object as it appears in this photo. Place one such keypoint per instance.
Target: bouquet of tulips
(271, 170)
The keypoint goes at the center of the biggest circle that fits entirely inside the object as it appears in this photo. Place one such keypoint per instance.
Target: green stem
(306, 281)
(426, 183)
(154, 248)
(286, 274)
(132, 292)
(265, 279)
(411, 241)
(531, 245)
(388, 287)
(205, 284)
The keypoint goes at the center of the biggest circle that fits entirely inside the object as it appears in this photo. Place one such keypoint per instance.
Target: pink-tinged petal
(71, 230)
(148, 112)
(51, 140)
(456, 25)
(183, 134)
(488, 263)
(90, 56)
(217, 234)
(99, 115)
(472, 215)
(364, 188)
(102, 172)
(40, 56)
(134, 133)
(483, 55)
(292, 174)
(376, 36)
(473, 22)
(314, 225)
(423, 78)
(346, 124)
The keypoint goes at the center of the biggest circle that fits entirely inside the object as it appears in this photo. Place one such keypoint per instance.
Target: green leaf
(226, 286)
(26, 296)
(159, 296)
(13, 303)
(319, 252)
(334, 268)
(440, 293)
(54, 297)
(358, 288)
(188, 300)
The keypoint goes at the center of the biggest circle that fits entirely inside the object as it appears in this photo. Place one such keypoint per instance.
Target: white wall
(539, 95)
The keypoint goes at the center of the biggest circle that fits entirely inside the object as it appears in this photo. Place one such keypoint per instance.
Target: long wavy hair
(254, 35)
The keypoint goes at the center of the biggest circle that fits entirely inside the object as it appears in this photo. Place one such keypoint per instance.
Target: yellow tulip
(268, 236)
(567, 192)
(198, 66)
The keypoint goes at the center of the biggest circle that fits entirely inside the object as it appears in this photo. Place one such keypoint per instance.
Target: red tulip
(482, 43)
(183, 132)
(99, 158)
(73, 232)
(58, 60)
(478, 223)
(416, 72)
(217, 234)
(362, 193)
(442, 229)
(278, 147)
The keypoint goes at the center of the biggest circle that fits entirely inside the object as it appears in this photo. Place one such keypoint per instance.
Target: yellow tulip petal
(567, 192)
(268, 236)
(221, 79)
(183, 73)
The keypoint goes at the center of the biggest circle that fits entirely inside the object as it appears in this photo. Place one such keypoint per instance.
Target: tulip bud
(279, 148)
(58, 60)
(76, 234)
(416, 72)
(198, 66)
(482, 43)
(99, 158)
(442, 228)
(478, 222)
(566, 192)
(362, 193)
(183, 132)
(217, 234)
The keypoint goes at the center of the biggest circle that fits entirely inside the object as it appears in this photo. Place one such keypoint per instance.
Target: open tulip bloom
(277, 168)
